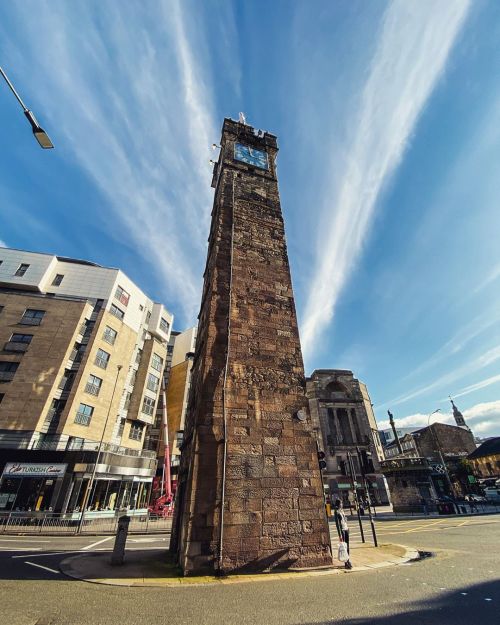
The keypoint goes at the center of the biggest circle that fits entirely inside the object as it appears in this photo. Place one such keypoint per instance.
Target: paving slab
(151, 568)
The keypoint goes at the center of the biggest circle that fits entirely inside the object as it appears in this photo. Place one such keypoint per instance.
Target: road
(459, 586)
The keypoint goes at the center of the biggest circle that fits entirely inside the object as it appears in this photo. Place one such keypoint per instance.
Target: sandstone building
(70, 330)
(250, 492)
(343, 418)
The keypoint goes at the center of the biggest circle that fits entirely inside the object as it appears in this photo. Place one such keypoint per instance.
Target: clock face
(251, 156)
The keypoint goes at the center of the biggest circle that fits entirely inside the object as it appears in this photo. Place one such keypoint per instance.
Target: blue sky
(388, 120)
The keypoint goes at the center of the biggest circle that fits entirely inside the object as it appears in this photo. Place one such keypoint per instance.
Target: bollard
(120, 540)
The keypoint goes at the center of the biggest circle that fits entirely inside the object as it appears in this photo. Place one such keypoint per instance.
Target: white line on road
(52, 553)
(40, 566)
(20, 540)
(99, 542)
(22, 549)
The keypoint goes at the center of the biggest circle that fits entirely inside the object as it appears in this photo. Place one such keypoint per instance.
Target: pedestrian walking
(342, 529)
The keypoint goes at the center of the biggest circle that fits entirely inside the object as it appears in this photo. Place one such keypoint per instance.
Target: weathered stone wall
(450, 439)
(273, 499)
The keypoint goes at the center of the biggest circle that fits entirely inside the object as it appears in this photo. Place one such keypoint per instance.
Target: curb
(420, 517)
(67, 568)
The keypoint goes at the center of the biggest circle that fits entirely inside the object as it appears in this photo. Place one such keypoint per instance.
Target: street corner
(153, 568)
(142, 568)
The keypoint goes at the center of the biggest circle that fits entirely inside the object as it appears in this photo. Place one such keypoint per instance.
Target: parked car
(475, 498)
(492, 494)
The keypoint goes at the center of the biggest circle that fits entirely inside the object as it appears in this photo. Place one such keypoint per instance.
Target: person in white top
(342, 527)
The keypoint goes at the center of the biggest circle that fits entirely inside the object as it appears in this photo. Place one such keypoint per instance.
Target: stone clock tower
(250, 495)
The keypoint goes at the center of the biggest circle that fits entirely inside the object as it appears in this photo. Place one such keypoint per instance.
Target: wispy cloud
(137, 80)
(415, 42)
(483, 419)
(483, 360)
(491, 277)
(477, 386)
(460, 339)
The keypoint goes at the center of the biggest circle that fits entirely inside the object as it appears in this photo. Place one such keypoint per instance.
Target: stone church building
(342, 414)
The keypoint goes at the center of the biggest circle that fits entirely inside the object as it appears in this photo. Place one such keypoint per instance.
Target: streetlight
(94, 470)
(40, 135)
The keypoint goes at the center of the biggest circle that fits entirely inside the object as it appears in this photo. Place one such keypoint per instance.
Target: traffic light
(366, 462)
(322, 460)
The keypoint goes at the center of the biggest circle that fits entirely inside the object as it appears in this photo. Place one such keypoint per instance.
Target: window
(10, 367)
(101, 358)
(2, 395)
(114, 310)
(84, 414)
(170, 349)
(32, 317)
(122, 296)
(153, 382)
(21, 338)
(1, 308)
(126, 404)
(148, 405)
(148, 317)
(136, 431)
(109, 335)
(133, 377)
(138, 356)
(18, 343)
(21, 270)
(120, 427)
(157, 362)
(58, 279)
(93, 385)
(164, 325)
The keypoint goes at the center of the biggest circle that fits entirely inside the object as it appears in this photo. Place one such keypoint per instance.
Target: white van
(492, 494)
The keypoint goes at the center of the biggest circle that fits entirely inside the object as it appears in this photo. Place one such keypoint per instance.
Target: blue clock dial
(251, 156)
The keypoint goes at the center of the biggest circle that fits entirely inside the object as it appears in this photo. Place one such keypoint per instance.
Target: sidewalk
(151, 567)
(391, 516)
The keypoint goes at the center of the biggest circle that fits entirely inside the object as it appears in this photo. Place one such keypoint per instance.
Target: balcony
(7, 376)
(404, 464)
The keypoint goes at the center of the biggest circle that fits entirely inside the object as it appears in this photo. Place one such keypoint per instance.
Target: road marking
(99, 542)
(21, 549)
(43, 555)
(20, 540)
(463, 593)
(488, 599)
(46, 568)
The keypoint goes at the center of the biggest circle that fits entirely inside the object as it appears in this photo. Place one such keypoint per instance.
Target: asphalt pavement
(459, 585)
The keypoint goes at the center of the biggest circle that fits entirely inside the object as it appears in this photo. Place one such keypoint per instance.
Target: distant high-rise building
(82, 354)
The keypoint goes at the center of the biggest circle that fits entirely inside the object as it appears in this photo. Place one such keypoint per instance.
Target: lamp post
(40, 135)
(438, 444)
(99, 449)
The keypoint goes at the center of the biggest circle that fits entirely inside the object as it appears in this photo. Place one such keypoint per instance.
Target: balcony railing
(93, 389)
(404, 463)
